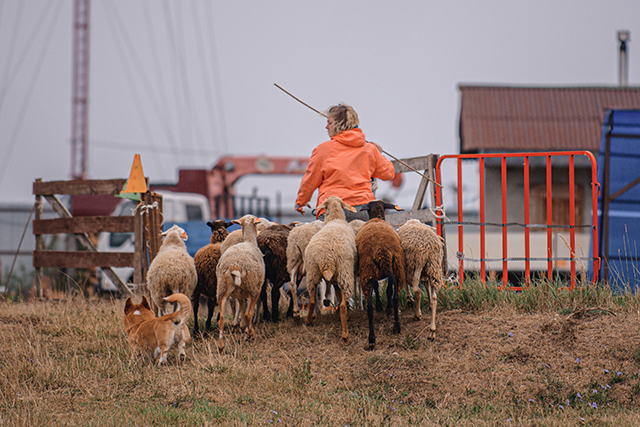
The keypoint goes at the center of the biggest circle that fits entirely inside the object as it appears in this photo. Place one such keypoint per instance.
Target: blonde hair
(344, 118)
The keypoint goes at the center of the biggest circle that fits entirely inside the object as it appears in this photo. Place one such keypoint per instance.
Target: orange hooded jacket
(343, 167)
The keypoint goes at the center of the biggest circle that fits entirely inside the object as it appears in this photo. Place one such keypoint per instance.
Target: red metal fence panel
(548, 225)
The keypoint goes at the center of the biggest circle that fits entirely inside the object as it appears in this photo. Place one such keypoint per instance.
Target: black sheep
(272, 241)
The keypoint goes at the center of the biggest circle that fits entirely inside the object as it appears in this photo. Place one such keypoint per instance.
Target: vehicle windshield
(118, 239)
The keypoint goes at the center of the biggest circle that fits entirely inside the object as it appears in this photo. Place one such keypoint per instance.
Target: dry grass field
(521, 360)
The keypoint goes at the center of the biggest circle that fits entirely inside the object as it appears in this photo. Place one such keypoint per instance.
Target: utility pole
(80, 96)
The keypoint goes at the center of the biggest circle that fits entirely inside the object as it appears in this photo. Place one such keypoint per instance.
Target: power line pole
(80, 96)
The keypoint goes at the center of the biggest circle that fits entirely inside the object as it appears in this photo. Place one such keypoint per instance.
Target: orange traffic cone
(136, 182)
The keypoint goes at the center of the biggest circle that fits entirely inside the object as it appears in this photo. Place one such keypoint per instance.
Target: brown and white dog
(153, 335)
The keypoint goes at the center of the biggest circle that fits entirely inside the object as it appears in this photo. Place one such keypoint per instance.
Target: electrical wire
(36, 72)
(14, 71)
(156, 103)
(193, 127)
(161, 87)
(129, 145)
(204, 68)
(130, 79)
(173, 64)
(13, 42)
(217, 84)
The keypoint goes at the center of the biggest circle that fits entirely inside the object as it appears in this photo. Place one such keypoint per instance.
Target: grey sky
(183, 83)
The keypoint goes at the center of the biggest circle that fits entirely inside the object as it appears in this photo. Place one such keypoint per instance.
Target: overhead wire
(130, 79)
(161, 87)
(6, 75)
(194, 122)
(204, 70)
(180, 110)
(27, 98)
(14, 38)
(217, 84)
(161, 111)
(146, 147)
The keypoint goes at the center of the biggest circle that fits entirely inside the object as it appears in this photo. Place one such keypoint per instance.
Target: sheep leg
(343, 314)
(263, 301)
(290, 308)
(211, 307)
(390, 290)
(242, 312)
(368, 293)
(222, 304)
(237, 312)
(294, 295)
(248, 315)
(433, 298)
(275, 302)
(393, 285)
(195, 304)
(410, 301)
(416, 290)
(376, 289)
(312, 302)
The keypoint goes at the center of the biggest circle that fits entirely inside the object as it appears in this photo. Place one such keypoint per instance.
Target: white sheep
(171, 271)
(240, 274)
(235, 236)
(297, 242)
(423, 250)
(332, 255)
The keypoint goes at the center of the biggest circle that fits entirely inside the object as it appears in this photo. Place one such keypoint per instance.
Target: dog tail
(183, 310)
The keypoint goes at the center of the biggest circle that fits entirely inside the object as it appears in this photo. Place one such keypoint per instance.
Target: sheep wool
(272, 242)
(423, 254)
(206, 260)
(332, 255)
(171, 271)
(240, 274)
(380, 256)
(235, 236)
(297, 242)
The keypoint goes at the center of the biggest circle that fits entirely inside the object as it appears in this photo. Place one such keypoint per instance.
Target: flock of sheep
(352, 257)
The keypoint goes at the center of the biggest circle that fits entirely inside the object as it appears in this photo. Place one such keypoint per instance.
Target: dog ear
(127, 304)
(145, 303)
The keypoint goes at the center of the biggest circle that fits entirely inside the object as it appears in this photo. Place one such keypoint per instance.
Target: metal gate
(502, 163)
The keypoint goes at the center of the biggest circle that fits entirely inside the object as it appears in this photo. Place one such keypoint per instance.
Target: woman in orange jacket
(344, 165)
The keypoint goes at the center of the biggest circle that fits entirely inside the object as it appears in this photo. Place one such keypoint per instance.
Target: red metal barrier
(526, 225)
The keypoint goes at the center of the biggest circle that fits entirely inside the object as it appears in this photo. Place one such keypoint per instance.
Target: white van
(189, 210)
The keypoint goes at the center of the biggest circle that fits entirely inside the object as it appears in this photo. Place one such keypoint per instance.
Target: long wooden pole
(385, 152)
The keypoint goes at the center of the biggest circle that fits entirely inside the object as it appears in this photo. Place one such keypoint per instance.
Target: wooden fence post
(39, 243)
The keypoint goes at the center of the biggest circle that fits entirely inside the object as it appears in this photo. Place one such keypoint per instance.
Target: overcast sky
(186, 82)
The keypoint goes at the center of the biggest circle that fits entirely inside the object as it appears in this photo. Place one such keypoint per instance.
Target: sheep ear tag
(184, 236)
(136, 182)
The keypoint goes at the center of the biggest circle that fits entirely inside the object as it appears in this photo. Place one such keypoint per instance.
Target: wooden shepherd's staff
(324, 115)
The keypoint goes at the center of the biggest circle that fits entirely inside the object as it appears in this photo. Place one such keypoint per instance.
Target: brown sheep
(380, 256)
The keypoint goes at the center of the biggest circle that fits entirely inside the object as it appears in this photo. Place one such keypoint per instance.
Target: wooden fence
(146, 224)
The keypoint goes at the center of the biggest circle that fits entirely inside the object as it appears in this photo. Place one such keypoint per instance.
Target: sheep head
(334, 208)
(377, 208)
(176, 229)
